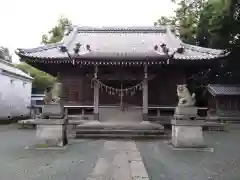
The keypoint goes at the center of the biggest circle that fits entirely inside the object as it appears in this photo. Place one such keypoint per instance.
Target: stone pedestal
(187, 133)
(187, 128)
(51, 132)
(52, 127)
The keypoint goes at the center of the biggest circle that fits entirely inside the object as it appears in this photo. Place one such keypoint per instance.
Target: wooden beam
(145, 93)
(96, 95)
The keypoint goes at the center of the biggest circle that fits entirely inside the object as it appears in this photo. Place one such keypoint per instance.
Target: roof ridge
(122, 29)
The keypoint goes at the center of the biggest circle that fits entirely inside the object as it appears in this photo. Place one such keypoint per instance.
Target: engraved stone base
(51, 132)
(187, 133)
(55, 111)
(186, 111)
(145, 117)
(96, 117)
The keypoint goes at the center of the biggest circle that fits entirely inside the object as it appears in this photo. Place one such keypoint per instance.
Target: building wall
(76, 90)
(211, 102)
(161, 89)
(228, 103)
(15, 96)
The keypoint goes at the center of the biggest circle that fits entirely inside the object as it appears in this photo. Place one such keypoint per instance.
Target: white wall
(15, 96)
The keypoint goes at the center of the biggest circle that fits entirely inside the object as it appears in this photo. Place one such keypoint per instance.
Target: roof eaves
(216, 52)
(38, 49)
(212, 87)
(211, 90)
(199, 57)
(11, 69)
(17, 74)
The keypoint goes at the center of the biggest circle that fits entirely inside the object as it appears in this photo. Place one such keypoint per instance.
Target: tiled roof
(223, 89)
(9, 67)
(122, 42)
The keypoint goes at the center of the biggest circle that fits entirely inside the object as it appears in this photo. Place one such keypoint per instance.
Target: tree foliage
(165, 21)
(4, 54)
(41, 80)
(209, 23)
(212, 24)
(57, 32)
(187, 16)
(216, 25)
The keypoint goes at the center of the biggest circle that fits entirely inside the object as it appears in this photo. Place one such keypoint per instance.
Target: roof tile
(223, 89)
(123, 42)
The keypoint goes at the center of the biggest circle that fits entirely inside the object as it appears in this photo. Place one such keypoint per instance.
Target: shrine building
(121, 66)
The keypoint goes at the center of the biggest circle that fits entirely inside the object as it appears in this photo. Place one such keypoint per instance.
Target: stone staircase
(114, 123)
(97, 129)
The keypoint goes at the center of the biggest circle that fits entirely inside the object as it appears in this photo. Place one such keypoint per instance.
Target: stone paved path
(120, 160)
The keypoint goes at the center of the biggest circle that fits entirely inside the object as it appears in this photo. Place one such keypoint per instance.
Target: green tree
(187, 15)
(163, 20)
(215, 24)
(57, 32)
(41, 80)
(5, 54)
(219, 27)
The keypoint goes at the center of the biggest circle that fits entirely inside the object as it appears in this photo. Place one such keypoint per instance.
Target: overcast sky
(24, 21)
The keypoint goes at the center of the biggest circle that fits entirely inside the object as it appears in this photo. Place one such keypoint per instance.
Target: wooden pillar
(158, 113)
(96, 96)
(217, 104)
(145, 94)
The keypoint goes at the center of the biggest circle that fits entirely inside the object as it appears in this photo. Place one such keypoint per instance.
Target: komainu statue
(185, 98)
(52, 95)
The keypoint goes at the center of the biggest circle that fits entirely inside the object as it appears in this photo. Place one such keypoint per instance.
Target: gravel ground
(162, 163)
(17, 163)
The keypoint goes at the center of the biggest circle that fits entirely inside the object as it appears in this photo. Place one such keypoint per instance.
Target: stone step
(118, 131)
(127, 136)
(214, 126)
(120, 125)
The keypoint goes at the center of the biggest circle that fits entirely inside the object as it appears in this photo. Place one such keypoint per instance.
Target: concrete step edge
(120, 131)
(118, 136)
